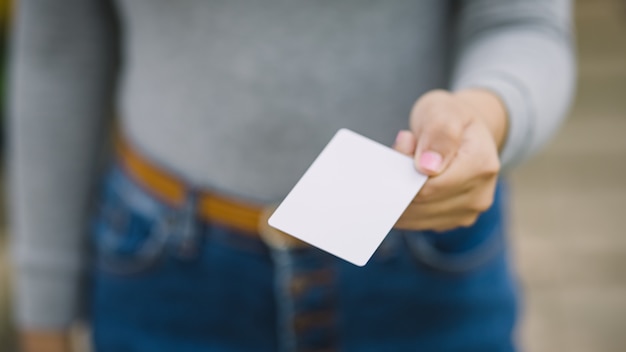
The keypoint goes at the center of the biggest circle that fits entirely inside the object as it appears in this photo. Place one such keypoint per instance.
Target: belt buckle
(274, 238)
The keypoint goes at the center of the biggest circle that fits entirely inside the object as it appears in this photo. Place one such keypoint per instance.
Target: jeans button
(306, 321)
(298, 285)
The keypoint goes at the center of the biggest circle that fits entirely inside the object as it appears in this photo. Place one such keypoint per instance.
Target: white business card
(350, 197)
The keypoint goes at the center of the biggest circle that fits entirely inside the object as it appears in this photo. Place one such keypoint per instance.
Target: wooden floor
(569, 211)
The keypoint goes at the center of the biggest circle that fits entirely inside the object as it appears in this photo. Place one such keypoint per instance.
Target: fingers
(439, 224)
(452, 199)
(405, 143)
(476, 201)
(462, 210)
(438, 127)
(477, 157)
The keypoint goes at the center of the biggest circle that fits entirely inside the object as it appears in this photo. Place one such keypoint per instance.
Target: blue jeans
(164, 280)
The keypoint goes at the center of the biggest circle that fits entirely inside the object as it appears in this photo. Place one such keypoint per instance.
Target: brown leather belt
(248, 218)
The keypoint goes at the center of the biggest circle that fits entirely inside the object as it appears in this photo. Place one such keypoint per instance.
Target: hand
(45, 341)
(454, 139)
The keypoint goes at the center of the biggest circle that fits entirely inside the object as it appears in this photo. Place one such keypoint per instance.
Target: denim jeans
(164, 280)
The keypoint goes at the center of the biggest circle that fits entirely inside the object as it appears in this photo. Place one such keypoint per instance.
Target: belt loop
(187, 226)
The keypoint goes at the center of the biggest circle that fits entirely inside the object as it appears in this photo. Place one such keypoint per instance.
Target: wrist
(490, 110)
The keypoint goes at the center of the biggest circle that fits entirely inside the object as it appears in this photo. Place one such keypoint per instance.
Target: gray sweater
(240, 96)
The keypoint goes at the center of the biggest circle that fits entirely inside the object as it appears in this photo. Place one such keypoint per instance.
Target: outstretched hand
(454, 138)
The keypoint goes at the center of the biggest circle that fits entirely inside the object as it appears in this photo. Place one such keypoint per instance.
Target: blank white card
(350, 197)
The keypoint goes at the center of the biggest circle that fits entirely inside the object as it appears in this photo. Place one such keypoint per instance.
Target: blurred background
(569, 210)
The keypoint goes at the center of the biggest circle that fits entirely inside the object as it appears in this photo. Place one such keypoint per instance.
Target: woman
(222, 106)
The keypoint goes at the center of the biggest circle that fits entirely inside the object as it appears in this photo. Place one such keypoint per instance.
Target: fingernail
(398, 139)
(431, 161)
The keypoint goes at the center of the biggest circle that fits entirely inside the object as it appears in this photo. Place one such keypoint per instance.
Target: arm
(512, 84)
(61, 82)
(521, 51)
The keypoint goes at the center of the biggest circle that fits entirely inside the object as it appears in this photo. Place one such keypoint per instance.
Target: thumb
(405, 143)
(437, 145)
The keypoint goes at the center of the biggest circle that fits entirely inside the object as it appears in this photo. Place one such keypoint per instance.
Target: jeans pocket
(126, 241)
(425, 252)
(466, 249)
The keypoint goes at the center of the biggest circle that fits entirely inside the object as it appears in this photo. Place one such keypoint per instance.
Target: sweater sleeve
(62, 72)
(522, 50)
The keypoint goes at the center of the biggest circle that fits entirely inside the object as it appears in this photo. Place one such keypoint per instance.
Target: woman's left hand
(454, 139)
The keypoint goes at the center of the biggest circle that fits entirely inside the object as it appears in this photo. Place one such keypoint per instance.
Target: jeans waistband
(455, 251)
